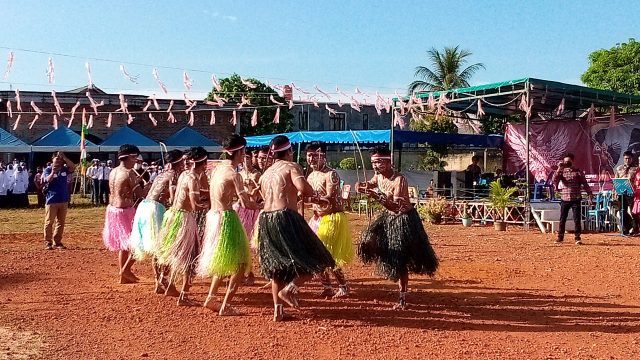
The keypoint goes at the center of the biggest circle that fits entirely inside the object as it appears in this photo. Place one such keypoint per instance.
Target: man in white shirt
(3, 188)
(92, 173)
(103, 177)
(8, 184)
(20, 186)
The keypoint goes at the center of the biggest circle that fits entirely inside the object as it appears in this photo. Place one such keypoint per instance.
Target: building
(308, 117)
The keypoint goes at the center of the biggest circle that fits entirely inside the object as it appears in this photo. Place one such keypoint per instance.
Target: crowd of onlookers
(16, 182)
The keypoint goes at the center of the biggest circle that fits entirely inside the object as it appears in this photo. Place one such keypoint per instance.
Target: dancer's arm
(243, 196)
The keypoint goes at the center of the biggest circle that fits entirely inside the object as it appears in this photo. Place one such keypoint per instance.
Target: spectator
(103, 177)
(628, 171)
(8, 183)
(37, 183)
(573, 181)
(92, 173)
(56, 199)
(21, 187)
(3, 189)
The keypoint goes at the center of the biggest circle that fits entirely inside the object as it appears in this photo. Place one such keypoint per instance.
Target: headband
(177, 161)
(201, 159)
(122, 156)
(231, 150)
(285, 146)
(380, 157)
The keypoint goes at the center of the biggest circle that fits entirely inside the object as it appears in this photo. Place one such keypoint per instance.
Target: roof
(82, 90)
(126, 135)
(10, 143)
(503, 98)
(188, 137)
(61, 139)
(381, 136)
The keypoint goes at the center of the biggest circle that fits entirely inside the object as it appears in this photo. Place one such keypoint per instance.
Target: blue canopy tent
(127, 135)
(188, 137)
(11, 144)
(61, 139)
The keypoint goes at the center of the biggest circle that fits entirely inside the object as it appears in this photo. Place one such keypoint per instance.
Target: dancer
(149, 214)
(179, 232)
(396, 240)
(225, 250)
(118, 221)
(290, 252)
(329, 221)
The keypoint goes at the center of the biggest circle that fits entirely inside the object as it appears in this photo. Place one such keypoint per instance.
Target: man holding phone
(56, 199)
(571, 196)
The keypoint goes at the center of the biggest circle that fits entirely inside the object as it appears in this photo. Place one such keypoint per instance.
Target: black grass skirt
(398, 244)
(288, 247)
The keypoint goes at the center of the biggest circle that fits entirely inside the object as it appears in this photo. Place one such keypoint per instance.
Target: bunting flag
(15, 124)
(9, 65)
(234, 119)
(170, 106)
(480, 112)
(18, 104)
(216, 83)
(290, 104)
(186, 80)
(591, 114)
(109, 119)
(93, 104)
(129, 119)
(191, 119)
(431, 102)
(276, 119)
(125, 73)
(124, 107)
(9, 109)
(156, 76)
(322, 92)
(273, 100)
(56, 104)
(560, 108)
(153, 120)
(254, 118)
(35, 107)
(171, 118)
(330, 110)
(51, 71)
(212, 121)
(34, 121)
(55, 121)
(83, 134)
(90, 123)
(90, 80)
(73, 112)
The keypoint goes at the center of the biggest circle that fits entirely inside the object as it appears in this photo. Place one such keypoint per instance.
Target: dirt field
(512, 295)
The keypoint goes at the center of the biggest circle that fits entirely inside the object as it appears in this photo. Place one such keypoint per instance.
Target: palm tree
(446, 73)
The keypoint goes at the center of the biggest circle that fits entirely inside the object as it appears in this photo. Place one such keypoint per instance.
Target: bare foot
(343, 291)
(172, 291)
(183, 300)
(250, 280)
(159, 288)
(327, 293)
(278, 313)
(127, 279)
(289, 297)
(212, 304)
(228, 311)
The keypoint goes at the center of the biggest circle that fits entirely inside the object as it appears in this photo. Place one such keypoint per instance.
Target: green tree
(615, 69)
(447, 70)
(431, 159)
(232, 89)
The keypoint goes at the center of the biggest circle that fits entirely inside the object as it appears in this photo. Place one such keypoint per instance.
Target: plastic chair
(346, 196)
(597, 218)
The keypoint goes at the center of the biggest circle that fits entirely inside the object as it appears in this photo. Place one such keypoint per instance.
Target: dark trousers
(3, 201)
(630, 222)
(95, 192)
(104, 191)
(574, 205)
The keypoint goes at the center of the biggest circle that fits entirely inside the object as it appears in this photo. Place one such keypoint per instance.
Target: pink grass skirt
(117, 227)
(636, 207)
(248, 218)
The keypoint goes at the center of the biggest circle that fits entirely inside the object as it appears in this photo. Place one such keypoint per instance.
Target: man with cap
(56, 199)
(125, 188)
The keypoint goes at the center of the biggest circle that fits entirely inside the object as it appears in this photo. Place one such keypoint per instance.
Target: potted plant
(500, 198)
(467, 221)
(434, 210)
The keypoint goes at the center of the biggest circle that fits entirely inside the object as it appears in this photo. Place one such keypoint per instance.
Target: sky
(373, 45)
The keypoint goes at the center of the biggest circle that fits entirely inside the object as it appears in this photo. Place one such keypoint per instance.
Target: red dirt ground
(512, 295)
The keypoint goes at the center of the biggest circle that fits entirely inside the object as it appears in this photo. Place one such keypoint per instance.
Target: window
(337, 121)
(365, 121)
(303, 120)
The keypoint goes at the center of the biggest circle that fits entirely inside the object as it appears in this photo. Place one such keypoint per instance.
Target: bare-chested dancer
(290, 252)
(396, 241)
(329, 220)
(149, 215)
(124, 190)
(179, 232)
(226, 248)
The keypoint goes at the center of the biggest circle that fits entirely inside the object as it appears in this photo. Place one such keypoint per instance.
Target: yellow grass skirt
(333, 230)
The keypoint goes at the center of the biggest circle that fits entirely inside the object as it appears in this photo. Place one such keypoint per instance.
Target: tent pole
(527, 130)
(298, 160)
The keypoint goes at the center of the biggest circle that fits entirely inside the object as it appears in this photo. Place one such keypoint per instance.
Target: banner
(549, 142)
(611, 142)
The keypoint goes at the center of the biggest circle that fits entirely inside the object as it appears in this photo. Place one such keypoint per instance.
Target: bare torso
(160, 190)
(225, 185)
(394, 188)
(187, 184)
(122, 185)
(250, 179)
(326, 183)
(277, 188)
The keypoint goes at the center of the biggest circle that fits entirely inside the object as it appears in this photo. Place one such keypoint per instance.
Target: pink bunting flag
(273, 100)
(10, 59)
(51, 77)
(315, 103)
(480, 112)
(276, 119)
(400, 103)
(330, 110)
(193, 104)
(216, 83)
(124, 107)
(523, 106)
(419, 102)
(9, 109)
(155, 102)
(212, 120)
(90, 123)
(299, 89)
(221, 101)
(186, 80)
(397, 119)
(153, 120)
(125, 73)
(146, 107)
(34, 121)
(15, 124)
(18, 105)
(90, 80)
(156, 76)
(55, 121)
(431, 102)
(358, 91)
(109, 119)
(73, 112)
(129, 119)
(254, 118)
(591, 114)
(248, 83)
(171, 118)
(84, 117)
(560, 108)
(355, 106)
(35, 107)
(93, 104)
(339, 102)
(290, 104)
(234, 119)
(170, 106)
(191, 119)
(186, 99)
(56, 104)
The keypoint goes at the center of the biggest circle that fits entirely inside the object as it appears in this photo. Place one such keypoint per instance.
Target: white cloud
(230, 18)
(215, 14)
